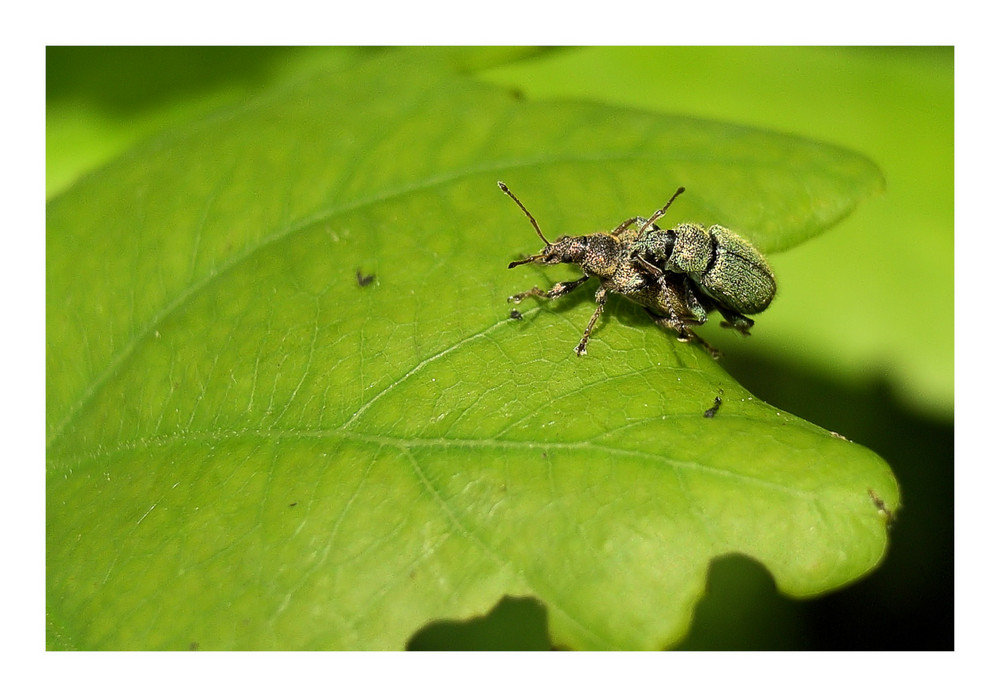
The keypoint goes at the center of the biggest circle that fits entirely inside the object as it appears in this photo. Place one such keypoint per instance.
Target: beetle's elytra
(678, 275)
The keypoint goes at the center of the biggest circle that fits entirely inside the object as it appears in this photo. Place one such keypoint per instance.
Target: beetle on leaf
(678, 275)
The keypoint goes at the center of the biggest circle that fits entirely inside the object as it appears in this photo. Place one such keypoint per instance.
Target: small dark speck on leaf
(710, 412)
(364, 280)
(883, 510)
(514, 314)
(293, 504)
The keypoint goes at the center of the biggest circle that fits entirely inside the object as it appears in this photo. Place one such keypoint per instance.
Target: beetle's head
(656, 245)
(565, 250)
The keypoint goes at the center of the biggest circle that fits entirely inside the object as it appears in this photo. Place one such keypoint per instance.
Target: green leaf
(248, 448)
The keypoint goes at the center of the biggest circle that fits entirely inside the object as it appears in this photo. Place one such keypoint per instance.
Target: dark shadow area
(742, 611)
(514, 624)
(909, 602)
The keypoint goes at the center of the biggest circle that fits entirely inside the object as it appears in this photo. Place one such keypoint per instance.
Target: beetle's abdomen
(736, 273)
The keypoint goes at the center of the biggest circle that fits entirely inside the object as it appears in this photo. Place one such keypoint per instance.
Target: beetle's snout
(550, 255)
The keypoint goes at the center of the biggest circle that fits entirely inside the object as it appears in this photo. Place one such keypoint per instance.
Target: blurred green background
(883, 377)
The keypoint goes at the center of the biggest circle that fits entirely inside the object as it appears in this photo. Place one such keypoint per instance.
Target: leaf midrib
(404, 443)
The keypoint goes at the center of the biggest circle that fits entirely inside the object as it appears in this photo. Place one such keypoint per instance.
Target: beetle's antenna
(659, 214)
(530, 260)
(503, 188)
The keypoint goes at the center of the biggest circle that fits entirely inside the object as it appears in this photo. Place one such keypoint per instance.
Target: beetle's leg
(699, 305)
(650, 268)
(680, 314)
(683, 310)
(734, 320)
(683, 332)
(559, 289)
(601, 297)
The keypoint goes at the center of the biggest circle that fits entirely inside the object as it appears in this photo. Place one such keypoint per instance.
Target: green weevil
(721, 270)
(677, 278)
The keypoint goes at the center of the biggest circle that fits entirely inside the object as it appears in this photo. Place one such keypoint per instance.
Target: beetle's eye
(668, 242)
